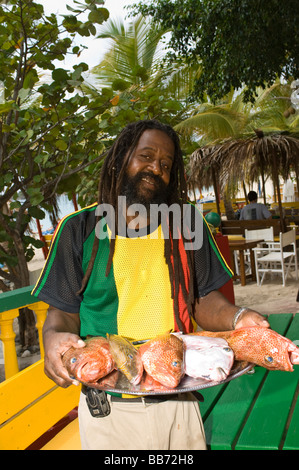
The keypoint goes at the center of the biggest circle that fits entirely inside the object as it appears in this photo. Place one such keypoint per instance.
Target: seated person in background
(254, 210)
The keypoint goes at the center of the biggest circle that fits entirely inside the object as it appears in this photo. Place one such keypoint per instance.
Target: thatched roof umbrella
(204, 170)
(260, 154)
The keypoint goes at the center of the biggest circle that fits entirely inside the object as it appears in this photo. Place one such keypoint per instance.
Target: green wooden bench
(256, 411)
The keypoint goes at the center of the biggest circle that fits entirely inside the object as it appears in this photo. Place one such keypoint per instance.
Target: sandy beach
(269, 298)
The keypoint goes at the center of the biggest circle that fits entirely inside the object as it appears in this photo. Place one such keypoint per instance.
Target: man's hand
(251, 318)
(60, 333)
(56, 345)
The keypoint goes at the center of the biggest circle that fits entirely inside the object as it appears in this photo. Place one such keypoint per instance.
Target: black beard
(130, 189)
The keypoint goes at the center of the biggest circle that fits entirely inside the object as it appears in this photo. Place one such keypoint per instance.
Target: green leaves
(36, 212)
(60, 75)
(237, 43)
(30, 79)
(98, 16)
(6, 107)
(61, 144)
(35, 196)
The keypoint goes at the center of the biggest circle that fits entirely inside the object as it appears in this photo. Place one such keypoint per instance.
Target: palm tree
(135, 53)
(136, 60)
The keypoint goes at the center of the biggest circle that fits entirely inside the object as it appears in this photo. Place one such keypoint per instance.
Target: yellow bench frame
(33, 405)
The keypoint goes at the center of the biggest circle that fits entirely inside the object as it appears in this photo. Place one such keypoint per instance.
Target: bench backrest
(32, 405)
(237, 227)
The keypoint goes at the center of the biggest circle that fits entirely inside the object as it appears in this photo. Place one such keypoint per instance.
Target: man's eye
(166, 166)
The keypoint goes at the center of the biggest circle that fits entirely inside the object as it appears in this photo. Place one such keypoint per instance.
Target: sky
(96, 47)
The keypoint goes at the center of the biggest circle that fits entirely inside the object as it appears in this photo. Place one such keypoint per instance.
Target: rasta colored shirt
(134, 300)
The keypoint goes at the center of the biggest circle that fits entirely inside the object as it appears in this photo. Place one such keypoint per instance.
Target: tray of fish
(119, 383)
(176, 363)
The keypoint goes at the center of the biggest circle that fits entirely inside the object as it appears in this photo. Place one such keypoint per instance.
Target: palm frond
(216, 122)
(134, 53)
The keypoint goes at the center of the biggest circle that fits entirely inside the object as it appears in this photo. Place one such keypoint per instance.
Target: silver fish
(208, 360)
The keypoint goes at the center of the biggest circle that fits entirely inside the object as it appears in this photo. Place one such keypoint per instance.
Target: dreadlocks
(112, 174)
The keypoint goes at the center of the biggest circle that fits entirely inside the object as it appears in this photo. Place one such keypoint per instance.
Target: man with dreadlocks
(104, 275)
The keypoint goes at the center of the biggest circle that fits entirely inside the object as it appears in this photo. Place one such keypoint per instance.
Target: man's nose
(156, 167)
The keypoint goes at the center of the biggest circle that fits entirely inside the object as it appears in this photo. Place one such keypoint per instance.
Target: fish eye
(227, 349)
(73, 360)
(174, 363)
(130, 356)
(269, 359)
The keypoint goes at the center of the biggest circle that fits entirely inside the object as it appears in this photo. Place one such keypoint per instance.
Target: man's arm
(60, 332)
(215, 313)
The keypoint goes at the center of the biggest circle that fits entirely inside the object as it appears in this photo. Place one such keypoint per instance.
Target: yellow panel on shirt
(143, 286)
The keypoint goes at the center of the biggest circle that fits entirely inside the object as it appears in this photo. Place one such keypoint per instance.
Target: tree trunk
(27, 328)
(245, 192)
(264, 188)
(26, 319)
(217, 196)
(229, 211)
(276, 183)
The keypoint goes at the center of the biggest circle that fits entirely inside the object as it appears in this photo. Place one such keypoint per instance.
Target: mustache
(144, 174)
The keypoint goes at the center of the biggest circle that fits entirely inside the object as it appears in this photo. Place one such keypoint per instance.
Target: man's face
(148, 171)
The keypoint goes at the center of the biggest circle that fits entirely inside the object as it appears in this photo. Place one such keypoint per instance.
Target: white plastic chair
(266, 234)
(275, 261)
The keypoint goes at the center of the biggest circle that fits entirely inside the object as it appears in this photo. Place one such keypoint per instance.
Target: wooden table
(241, 245)
(258, 411)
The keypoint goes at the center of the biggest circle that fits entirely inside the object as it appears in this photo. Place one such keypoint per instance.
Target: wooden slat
(280, 322)
(292, 438)
(239, 226)
(223, 424)
(22, 389)
(67, 439)
(18, 433)
(16, 298)
(291, 441)
(211, 396)
(293, 331)
(265, 426)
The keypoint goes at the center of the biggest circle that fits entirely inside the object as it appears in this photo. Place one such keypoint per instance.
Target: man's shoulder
(77, 224)
(85, 213)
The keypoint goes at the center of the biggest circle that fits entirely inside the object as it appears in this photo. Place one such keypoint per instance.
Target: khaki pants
(169, 425)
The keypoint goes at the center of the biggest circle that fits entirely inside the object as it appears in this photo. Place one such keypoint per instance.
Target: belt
(143, 399)
(99, 406)
(154, 398)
